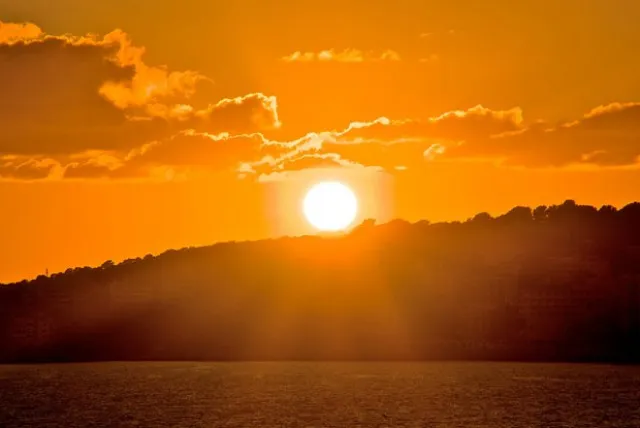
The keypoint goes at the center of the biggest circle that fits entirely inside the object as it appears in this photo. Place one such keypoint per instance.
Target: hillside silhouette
(551, 283)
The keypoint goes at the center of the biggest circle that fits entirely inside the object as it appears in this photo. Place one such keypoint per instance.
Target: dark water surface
(319, 395)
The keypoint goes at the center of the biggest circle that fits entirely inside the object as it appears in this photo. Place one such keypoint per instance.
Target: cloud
(68, 94)
(429, 59)
(608, 135)
(26, 168)
(605, 136)
(12, 33)
(190, 148)
(83, 107)
(241, 114)
(246, 113)
(124, 78)
(433, 151)
(190, 151)
(346, 55)
(308, 160)
(386, 143)
(53, 98)
(148, 83)
(305, 163)
(187, 151)
(453, 125)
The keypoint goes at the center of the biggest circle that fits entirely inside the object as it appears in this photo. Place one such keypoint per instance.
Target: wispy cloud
(345, 55)
(605, 136)
(429, 59)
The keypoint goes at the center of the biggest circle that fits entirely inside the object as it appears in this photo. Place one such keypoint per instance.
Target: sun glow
(330, 206)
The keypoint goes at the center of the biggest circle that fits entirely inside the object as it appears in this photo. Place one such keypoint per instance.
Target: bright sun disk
(330, 206)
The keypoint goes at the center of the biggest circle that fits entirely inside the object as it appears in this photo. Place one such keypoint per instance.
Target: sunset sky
(130, 127)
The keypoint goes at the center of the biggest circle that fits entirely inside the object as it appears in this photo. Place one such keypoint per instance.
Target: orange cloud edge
(144, 127)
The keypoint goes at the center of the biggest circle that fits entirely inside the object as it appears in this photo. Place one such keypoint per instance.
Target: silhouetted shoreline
(557, 283)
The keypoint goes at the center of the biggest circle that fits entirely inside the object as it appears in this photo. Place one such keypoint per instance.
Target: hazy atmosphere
(313, 214)
(146, 125)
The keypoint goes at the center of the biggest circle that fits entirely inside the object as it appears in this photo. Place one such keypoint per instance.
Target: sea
(319, 394)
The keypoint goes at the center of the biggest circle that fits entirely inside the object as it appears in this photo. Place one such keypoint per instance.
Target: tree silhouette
(557, 282)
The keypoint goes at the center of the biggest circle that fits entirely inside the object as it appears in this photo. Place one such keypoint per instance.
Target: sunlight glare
(330, 206)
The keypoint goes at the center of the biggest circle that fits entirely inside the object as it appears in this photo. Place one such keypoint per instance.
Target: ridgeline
(558, 283)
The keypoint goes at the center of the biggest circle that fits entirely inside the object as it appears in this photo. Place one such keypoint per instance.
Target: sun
(330, 206)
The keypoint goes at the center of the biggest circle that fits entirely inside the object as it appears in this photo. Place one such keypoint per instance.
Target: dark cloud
(187, 150)
(248, 113)
(64, 94)
(20, 168)
(50, 101)
(200, 149)
(606, 136)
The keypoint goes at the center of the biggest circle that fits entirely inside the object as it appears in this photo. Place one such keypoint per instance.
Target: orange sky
(130, 127)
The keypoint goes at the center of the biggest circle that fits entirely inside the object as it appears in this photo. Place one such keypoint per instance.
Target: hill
(550, 283)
